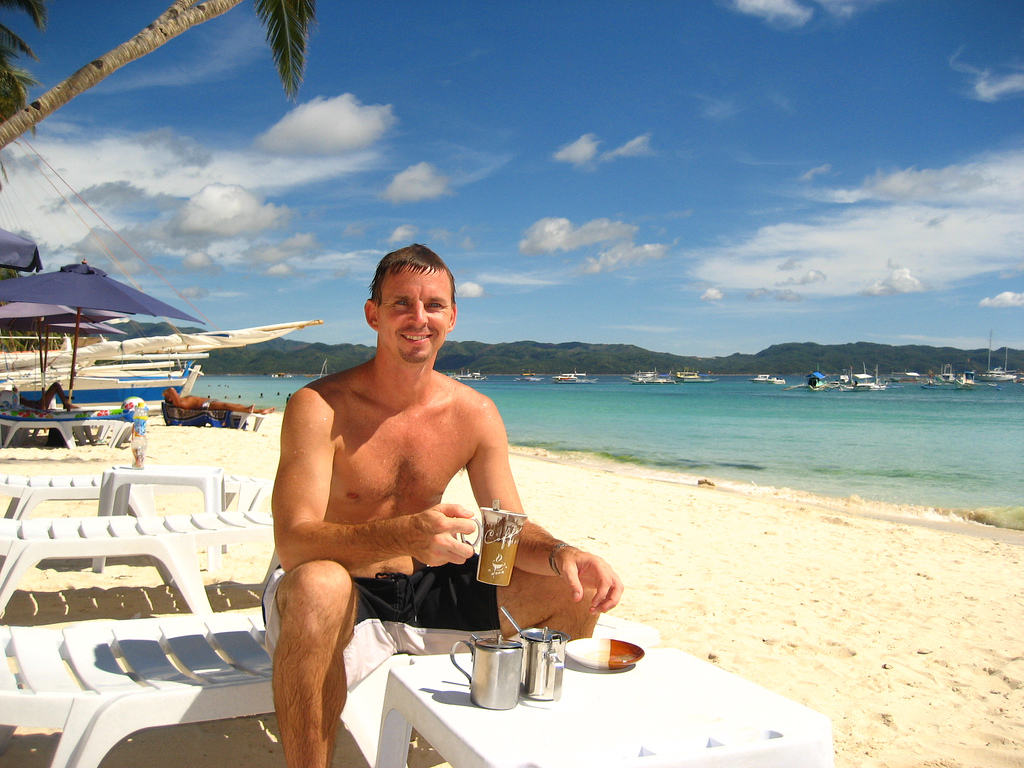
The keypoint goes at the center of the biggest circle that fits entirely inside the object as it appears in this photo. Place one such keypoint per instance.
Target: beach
(904, 630)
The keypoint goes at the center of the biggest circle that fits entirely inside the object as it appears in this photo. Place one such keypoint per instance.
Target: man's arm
(490, 477)
(302, 493)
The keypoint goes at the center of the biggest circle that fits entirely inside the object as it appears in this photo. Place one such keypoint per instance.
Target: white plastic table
(670, 709)
(118, 482)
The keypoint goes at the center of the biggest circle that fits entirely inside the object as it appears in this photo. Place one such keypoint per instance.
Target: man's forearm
(536, 547)
(355, 546)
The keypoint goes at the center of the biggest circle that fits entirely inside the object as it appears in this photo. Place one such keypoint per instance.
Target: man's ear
(370, 309)
(455, 312)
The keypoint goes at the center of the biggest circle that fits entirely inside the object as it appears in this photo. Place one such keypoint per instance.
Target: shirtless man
(194, 403)
(372, 565)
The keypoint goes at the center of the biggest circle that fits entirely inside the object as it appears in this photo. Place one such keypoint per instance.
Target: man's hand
(435, 538)
(587, 570)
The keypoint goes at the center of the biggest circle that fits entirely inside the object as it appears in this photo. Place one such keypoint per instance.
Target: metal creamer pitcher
(544, 664)
(497, 671)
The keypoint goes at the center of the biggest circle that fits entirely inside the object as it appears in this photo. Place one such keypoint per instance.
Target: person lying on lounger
(193, 403)
(55, 390)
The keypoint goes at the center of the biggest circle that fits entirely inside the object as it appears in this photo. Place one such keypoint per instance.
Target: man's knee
(317, 593)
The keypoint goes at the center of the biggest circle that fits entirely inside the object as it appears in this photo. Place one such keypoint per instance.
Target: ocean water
(941, 448)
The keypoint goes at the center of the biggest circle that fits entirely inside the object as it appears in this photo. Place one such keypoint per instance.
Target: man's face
(415, 314)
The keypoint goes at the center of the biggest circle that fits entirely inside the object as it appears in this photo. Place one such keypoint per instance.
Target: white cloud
(470, 290)
(580, 153)
(944, 225)
(1004, 299)
(299, 245)
(198, 261)
(819, 171)
(583, 153)
(808, 278)
(987, 86)
(402, 234)
(280, 270)
(328, 127)
(227, 211)
(784, 13)
(712, 294)
(417, 182)
(558, 234)
(899, 281)
(637, 147)
(623, 255)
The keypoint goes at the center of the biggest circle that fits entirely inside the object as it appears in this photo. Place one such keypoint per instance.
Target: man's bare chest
(398, 466)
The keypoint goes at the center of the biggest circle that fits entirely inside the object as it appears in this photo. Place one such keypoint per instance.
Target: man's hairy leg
(317, 606)
(544, 601)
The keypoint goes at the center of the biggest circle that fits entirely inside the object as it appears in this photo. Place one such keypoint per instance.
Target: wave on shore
(1004, 518)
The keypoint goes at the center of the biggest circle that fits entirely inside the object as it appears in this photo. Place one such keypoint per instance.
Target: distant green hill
(789, 359)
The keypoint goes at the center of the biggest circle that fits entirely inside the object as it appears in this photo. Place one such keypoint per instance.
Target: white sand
(910, 638)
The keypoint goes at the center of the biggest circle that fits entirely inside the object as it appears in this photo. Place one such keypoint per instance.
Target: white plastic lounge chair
(99, 682)
(170, 540)
(76, 427)
(241, 492)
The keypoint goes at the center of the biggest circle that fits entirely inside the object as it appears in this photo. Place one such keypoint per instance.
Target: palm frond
(288, 24)
(36, 9)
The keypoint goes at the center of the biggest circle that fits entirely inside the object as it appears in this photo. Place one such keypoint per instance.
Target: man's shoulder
(466, 397)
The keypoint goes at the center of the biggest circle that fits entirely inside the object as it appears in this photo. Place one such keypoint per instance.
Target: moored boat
(692, 377)
(572, 378)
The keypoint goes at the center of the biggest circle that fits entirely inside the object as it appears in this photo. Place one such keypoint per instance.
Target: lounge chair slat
(41, 667)
(139, 644)
(192, 648)
(35, 529)
(235, 637)
(95, 527)
(150, 526)
(87, 648)
(178, 524)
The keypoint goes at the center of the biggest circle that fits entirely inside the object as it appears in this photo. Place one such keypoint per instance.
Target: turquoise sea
(941, 448)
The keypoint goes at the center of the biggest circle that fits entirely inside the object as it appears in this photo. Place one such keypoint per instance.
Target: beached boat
(765, 378)
(572, 378)
(692, 377)
(109, 372)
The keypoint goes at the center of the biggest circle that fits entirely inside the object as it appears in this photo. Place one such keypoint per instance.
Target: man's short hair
(412, 258)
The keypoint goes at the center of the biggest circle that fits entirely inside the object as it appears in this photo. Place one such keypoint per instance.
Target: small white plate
(602, 653)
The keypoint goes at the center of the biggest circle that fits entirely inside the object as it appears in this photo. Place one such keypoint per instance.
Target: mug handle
(451, 655)
(473, 539)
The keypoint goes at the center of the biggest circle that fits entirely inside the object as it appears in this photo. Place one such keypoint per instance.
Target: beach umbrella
(43, 318)
(18, 253)
(84, 288)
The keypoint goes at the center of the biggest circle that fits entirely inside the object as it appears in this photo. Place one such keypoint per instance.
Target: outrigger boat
(109, 372)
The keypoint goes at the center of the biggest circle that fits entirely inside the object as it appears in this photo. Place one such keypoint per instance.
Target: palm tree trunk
(180, 17)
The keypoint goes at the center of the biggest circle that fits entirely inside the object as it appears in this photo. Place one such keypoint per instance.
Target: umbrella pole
(74, 357)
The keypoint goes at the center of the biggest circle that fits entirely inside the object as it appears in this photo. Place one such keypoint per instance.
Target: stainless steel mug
(497, 671)
(544, 664)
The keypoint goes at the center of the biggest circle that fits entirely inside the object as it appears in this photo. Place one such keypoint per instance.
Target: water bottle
(140, 417)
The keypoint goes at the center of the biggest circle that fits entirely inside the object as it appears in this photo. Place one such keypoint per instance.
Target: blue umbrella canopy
(26, 315)
(85, 288)
(18, 253)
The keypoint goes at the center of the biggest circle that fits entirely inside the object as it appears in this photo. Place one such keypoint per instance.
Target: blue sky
(699, 177)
